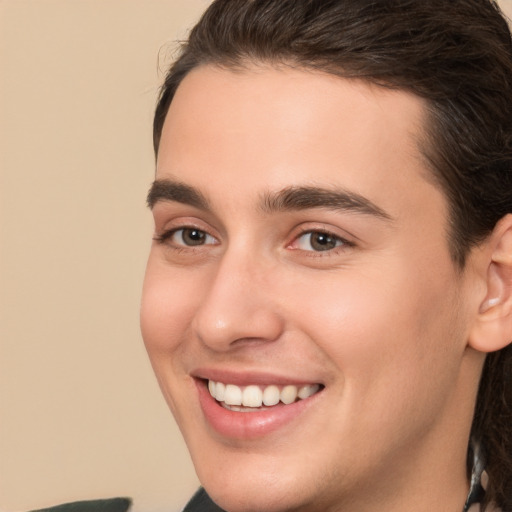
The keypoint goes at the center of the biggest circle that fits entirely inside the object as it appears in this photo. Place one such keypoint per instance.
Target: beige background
(80, 413)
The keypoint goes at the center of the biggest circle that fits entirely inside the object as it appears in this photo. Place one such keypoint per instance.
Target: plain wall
(81, 416)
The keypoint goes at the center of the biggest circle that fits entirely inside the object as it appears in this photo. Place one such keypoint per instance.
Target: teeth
(306, 391)
(220, 391)
(233, 395)
(237, 398)
(289, 394)
(271, 395)
(252, 396)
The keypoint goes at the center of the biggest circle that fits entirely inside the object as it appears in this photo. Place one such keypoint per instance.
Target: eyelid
(166, 228)
(168, 234)
(346, 242)
(172, 215)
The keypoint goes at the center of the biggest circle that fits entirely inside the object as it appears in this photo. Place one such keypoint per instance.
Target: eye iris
(322, 241)
(193, 237)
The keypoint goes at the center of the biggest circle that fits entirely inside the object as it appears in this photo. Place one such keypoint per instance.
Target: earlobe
(492, 329)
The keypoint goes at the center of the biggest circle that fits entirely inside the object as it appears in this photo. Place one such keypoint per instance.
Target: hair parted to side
(457, 55)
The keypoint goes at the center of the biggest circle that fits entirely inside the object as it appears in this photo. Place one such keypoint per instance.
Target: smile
(255, 398)
(274, 402)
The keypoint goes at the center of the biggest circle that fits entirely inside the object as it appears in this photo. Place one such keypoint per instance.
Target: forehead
(278, 127)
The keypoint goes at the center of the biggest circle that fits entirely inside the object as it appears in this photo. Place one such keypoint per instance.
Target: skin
(382, 320)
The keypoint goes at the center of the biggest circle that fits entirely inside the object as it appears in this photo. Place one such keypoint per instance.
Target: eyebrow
(302, 198)
(287, 199)
(169, 190)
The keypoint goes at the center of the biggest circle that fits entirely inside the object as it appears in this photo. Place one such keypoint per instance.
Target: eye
(318, 241)
(189, 237)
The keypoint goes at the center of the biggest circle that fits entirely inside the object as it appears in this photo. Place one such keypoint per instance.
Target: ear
(492, 329)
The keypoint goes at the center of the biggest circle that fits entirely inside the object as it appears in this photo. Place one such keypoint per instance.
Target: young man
(331, 272)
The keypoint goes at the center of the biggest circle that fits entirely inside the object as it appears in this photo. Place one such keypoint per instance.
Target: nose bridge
(238, 304)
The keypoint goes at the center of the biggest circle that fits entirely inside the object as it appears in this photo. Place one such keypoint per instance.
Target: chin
(253, 495)
(249, 482)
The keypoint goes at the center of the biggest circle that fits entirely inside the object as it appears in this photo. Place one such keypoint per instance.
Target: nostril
(223, 328)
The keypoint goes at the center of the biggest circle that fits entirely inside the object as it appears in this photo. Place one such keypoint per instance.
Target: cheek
(391, 342)
(384, 328)
(167, 306)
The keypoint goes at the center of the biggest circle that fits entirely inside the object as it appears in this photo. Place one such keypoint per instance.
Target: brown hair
(456, 54)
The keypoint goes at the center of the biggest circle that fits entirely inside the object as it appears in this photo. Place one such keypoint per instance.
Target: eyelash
(340, 242)
(165, 237)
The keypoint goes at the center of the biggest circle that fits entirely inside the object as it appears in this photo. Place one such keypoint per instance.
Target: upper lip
(246, 378)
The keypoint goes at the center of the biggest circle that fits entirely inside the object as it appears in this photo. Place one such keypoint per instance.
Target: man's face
(300, 244)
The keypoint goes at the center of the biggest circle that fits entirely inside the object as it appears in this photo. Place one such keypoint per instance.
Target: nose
(237, 306)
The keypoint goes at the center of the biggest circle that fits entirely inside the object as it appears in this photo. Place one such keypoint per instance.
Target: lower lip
(249, 425)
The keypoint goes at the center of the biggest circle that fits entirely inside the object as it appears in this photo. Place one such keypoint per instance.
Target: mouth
(252, 405)
(257, 398)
